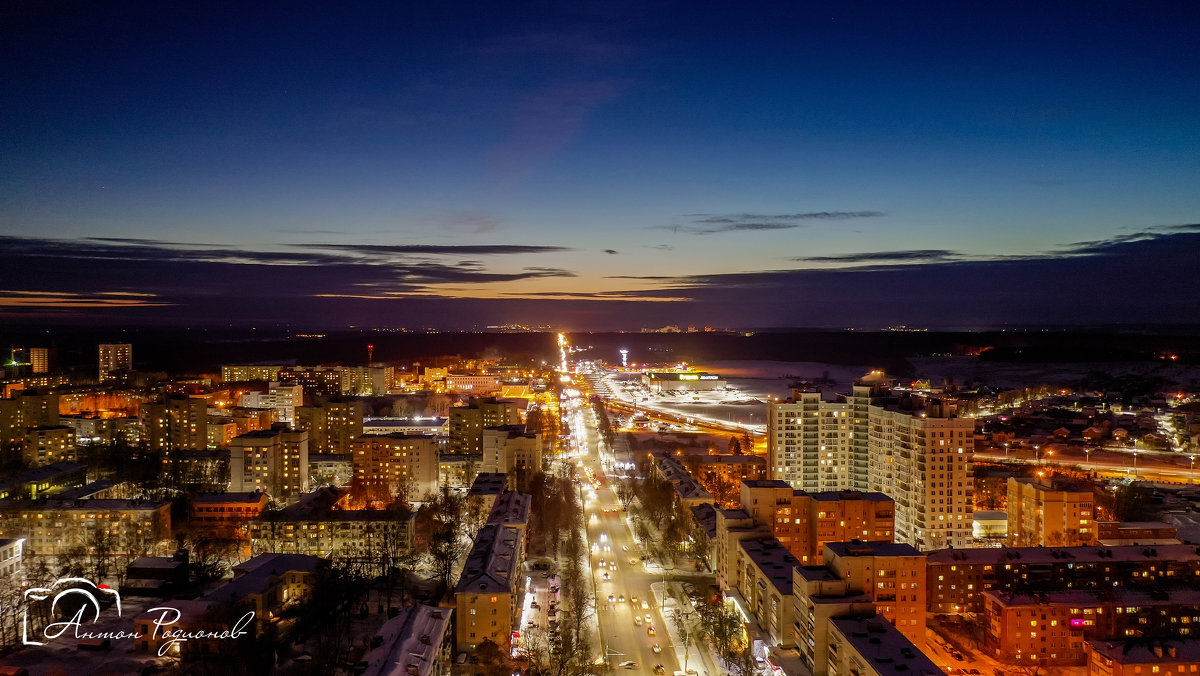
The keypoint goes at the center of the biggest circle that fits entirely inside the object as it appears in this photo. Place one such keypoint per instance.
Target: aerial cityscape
(473, 339)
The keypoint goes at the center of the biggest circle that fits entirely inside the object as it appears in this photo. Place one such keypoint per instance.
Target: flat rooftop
(1076, 555)
(889, 652)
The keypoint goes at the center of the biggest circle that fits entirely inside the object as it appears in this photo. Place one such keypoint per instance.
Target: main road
(629, 619)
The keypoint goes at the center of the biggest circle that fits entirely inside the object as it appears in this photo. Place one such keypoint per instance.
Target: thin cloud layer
(1118, 280)
(51, 272)
(710, 224)
(907, 256)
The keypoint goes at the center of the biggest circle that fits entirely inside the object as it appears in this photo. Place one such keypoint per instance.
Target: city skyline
(601, 167)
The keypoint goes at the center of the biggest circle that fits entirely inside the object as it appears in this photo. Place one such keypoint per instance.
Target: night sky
(600, 164)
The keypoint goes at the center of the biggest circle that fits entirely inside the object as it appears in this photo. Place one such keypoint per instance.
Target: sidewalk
(787, 659)
(699, 657)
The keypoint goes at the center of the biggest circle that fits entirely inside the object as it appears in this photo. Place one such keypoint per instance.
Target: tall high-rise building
(115, 357)
(921, 457)
(818, 445)
(916, 451)
(39, 359)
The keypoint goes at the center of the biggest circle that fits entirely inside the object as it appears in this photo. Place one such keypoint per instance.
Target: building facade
(179, 422)
(1042, 513)
(274, 461)
(115, 357)
(400, 463)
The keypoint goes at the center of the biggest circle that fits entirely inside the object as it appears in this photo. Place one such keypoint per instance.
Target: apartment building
(921, 456)
(1137, 658)
(178, 422)
(689, 491)
(958, 577)
(915, 450)
(399, 463)
(417, 642)
(1051, 628)
(763, 570)
(285, 398)
(891, 574)
(1042, 512)
(467, 423)
(332, 426)
(51, 527)
(47, 445)
(871, 646)
(264, 585)
(22, 412)
(319, 525)
(860, 579)
(512, 450)
(490, 591)
(818, 445)
(226, 514)
(12, 558)
(274, 460)
(804, 522)
(114, 357)
(247, 373)
(485, 490)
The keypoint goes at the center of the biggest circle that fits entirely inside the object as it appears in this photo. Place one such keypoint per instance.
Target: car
(534, 605)
(602, 564)
(607, 577)
(650, 631)
(607, 548)
(637, 621)
(660, 669)
(621, 598)
(624, 548)
(645, 604)
(613, 565)
(612, 598)
(648, 618)
(958, 656)
(629, 665)
(633, 599)
(657, 649)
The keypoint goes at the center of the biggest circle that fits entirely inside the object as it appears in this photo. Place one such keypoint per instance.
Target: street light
(1192, 466)
(1135, 464)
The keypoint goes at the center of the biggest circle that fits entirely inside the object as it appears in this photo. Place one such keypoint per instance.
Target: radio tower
(370, 354)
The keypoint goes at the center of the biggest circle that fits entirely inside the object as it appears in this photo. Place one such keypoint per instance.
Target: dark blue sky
(598, 164)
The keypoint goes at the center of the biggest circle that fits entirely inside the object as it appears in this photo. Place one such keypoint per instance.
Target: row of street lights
(1087, 454)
